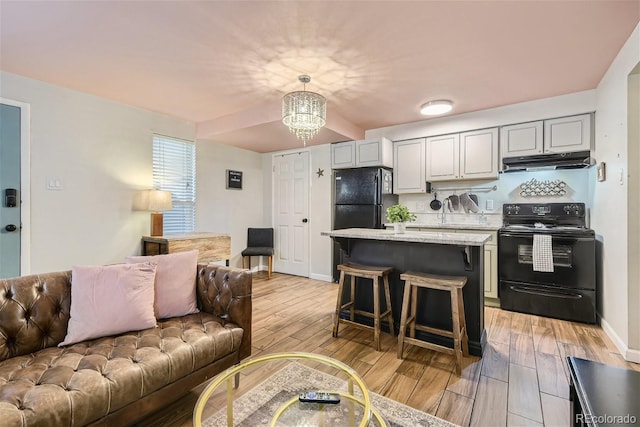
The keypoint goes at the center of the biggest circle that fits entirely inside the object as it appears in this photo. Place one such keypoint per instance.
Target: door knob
(11, 227)
(305, 220)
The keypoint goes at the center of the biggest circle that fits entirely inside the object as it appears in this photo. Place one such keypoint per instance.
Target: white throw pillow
(175, 282)
(110, 300)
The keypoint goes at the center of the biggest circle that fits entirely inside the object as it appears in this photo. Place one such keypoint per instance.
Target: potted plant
(399, 215)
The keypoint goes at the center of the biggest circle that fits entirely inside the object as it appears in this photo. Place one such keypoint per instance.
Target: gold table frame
(230, 377)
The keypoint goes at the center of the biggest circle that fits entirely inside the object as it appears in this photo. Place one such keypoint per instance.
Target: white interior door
(10, 195)
(291, 213)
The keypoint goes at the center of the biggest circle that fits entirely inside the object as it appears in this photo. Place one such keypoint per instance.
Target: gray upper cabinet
(524, 139)
(363, 153)
(561, 135)
(479, 154)
(409, 166)
(374, 152)
(343, 155)
(568, 134)
(443, 157)
(467, 155)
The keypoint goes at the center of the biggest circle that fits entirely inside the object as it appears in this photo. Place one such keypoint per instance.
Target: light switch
(489, 205)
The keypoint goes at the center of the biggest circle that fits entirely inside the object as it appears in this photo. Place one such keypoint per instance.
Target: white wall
(507, 191)
(100, 151)
(228, 211)
(320, 198)
(611, 207)
(565, 105)
(579, 181)
(320, 209)
(633, 195)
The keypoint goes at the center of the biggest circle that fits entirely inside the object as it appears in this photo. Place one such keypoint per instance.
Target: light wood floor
(521, 380)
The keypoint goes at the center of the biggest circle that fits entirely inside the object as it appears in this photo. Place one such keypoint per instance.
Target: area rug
(255, 408)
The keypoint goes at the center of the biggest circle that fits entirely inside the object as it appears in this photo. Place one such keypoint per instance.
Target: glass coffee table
(271, 404)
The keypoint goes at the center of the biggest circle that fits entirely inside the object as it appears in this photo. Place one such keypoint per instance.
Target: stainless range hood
(573, 160)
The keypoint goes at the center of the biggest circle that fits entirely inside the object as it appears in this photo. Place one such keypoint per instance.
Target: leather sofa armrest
(226, 292)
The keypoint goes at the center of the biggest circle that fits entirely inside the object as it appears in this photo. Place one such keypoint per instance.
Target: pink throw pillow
(110, 300)
(175, 282)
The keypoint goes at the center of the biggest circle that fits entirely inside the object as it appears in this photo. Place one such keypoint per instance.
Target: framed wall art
(234, 180)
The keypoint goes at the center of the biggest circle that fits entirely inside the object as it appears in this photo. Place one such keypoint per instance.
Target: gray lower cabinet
(490, 265)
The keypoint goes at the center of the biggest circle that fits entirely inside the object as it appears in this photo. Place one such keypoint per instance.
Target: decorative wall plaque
(535, 188)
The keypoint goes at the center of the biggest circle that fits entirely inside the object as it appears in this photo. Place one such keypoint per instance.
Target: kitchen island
(454, 254)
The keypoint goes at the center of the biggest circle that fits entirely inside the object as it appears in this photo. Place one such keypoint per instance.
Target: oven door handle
(558, 235)
(534, 291)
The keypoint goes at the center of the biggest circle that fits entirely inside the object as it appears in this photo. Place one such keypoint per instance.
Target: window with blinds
(174, 170)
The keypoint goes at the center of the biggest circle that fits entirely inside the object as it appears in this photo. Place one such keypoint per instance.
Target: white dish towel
(542, 253)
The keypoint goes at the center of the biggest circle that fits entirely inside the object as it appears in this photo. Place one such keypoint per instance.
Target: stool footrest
(429, 345)
(356, 324)
(372, 316)
(347, 305)
(436, 331)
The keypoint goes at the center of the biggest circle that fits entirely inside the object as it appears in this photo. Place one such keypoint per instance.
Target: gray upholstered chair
(259, 243)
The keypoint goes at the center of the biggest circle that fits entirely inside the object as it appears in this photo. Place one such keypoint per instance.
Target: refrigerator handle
(378, 187)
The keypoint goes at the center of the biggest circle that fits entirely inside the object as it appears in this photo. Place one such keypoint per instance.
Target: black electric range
(566, 289)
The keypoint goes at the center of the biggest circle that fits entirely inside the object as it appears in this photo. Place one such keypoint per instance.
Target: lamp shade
(158, 200)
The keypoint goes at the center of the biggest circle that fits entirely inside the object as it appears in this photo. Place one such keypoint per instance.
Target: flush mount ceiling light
(434, 108)
(304, 113)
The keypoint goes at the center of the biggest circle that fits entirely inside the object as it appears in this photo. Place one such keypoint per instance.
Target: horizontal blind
(174, 170)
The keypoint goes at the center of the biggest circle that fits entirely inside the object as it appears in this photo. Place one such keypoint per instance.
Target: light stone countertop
(488, 227)
(411, 236)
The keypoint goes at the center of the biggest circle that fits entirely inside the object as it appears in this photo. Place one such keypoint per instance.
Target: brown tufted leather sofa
(114, 380)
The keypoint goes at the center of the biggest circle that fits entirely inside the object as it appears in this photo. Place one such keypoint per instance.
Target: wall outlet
(54, 184)
(421, 206)
(489, 205)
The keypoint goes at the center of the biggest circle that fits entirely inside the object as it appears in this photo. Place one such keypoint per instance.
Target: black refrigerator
(361, 197)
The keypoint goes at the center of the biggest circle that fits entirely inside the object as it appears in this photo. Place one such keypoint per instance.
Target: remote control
(319, 397)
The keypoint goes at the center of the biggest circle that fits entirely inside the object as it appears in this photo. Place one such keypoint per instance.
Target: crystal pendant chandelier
(304, 112)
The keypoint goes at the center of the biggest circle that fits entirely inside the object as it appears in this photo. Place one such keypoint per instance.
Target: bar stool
(365, 272)
(452, 284)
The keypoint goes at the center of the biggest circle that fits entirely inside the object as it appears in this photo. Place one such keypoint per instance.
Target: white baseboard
(630, 355)
(633, 356)
(321, 277)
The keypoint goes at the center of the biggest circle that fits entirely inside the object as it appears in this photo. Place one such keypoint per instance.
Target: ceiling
(225, 65)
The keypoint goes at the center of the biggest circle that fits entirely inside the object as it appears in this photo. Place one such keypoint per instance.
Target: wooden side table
(212, 246)
(603, 395)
